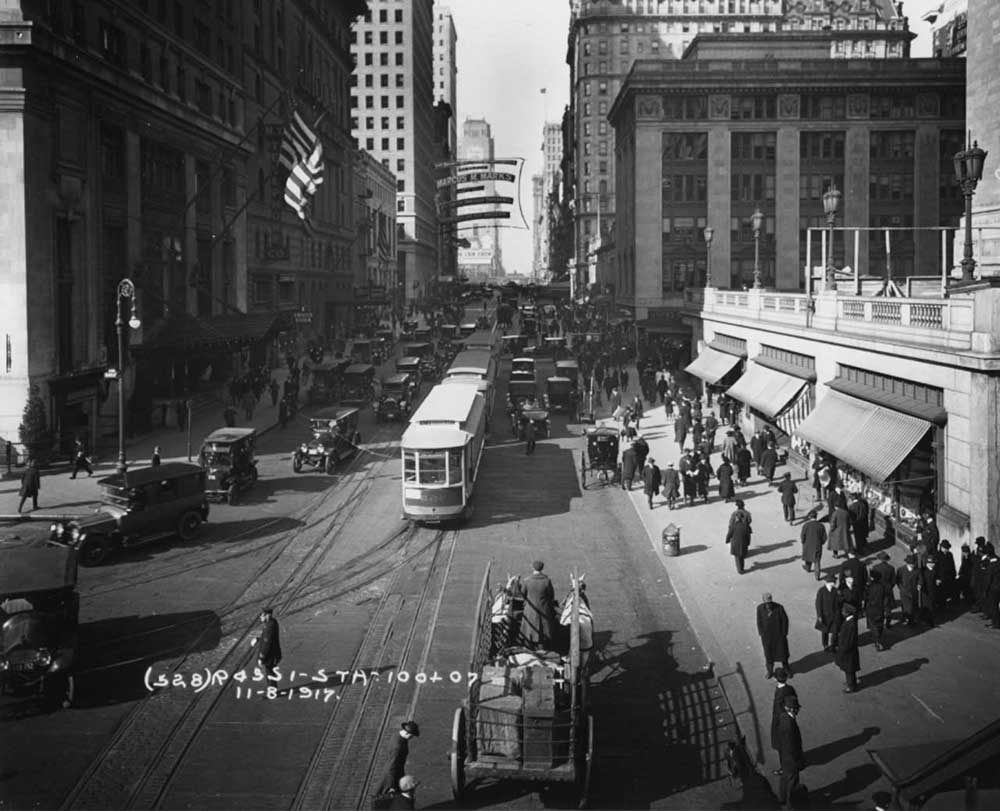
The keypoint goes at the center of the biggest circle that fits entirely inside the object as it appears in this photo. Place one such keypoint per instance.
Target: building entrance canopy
(767, 390)
(869, 438)
(711, 365)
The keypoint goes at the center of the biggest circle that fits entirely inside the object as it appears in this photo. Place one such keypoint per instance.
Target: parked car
(335, 438)
(228, 456)
(39, 615)
(145, 504)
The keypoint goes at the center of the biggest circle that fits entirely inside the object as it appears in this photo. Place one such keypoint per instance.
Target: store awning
(767, 390)
(189, 332)
(711, 365)
(867, 437)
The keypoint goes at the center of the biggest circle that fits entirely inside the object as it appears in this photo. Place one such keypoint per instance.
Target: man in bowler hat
(396, 768)
(791, 757)
(772, 626)
(268, 644)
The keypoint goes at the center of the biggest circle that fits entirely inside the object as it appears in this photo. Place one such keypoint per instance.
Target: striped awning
(711, 365)
(765, 389)
(867, 437)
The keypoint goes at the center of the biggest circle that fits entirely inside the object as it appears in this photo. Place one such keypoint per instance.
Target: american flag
(298, 142)
(303, 180)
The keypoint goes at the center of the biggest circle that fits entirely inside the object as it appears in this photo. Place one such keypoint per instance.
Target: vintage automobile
(143, 505)
(39, 615)
(512, 345)
(335, 437)
(422, 334)
(410, 365)
(387, 337)
(448, 332)
(519, 391)
(409, 329)
(359, 383)
(466, 329)
(529, 326)
(362, 351)
(555, 347)
(538, 416)
(569, 369)
(325, 381)
(228, 456)
(396, 400)
(560, 394)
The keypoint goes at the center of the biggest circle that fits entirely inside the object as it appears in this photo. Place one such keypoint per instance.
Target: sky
(507, 51)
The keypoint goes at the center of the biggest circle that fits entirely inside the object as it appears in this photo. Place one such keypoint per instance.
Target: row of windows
(892, 385)
(602, 148)
(602, 108)
(588, 130)
(758, 146)
(383, 37)
(383, 15)
(678, 7)
(384, 102)
(370, 144)
(384, 122)
(383, 59)
(828, 107)
(400, 80)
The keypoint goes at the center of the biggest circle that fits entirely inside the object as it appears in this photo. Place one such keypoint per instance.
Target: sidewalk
(721, 606)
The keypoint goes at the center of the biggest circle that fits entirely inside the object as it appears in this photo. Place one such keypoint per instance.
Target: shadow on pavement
(532, 486)
(833, 750)
(265, 490)
(761, 550)
(754, 566)
(855, 780)
(811, 661)
(892, 672)
(114, 654)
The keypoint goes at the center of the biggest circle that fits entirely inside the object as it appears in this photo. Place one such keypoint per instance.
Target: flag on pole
(298, 142)
(383, 242)
(303, 180)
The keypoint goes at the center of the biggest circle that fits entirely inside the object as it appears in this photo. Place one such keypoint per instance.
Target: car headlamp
(54, 529)
(321, 448)
(75, 533)
(44, 658)
(304, 448)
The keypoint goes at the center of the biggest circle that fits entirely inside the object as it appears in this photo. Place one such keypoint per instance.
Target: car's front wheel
(187, 526)
(94, 550)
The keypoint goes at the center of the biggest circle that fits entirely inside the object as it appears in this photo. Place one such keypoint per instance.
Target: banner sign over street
(495, 199)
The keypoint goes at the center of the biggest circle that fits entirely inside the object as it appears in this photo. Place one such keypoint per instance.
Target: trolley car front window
(409, 466)
(432, 467)
(454, 467)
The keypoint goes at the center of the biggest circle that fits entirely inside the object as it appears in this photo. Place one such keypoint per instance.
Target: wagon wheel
(583, 470)
(585, 763)
(458, 753)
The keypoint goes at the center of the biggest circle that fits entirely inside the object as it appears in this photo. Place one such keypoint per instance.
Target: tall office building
(539, 231)
(552, 154)
(606, 36)
(393, 118)
(446, 69)
(482, 259)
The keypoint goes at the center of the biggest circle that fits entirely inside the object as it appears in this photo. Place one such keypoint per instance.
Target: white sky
(507, 51)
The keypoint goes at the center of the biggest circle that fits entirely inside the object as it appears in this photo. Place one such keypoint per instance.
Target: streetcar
(478, 362)
(527, 715)
(485, 387)
(441, 451)
(483, 339)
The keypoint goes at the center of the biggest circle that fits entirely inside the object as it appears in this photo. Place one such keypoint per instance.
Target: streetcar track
(323, 775)
(107, 766)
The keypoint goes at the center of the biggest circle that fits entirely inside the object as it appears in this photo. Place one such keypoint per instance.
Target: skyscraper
(446, 69)
(483, 258)
(393, 118)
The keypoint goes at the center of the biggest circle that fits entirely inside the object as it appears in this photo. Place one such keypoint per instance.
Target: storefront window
(432, 467)
(409, 466)
(455, 467)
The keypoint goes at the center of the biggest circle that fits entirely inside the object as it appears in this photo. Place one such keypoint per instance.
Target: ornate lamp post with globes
(831, 202)
(126, 290)
(756, 222)
(969, 171)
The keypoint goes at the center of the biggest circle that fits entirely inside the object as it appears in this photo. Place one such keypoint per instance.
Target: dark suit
(847, 657)
(878, 601)
(401, 802)
(778, 709)
(31, 483)
(768, 462)
(791, 758)
(396, 767)
(671, 484)
(908, 581)
(858, 510)
(651, 480)
(772, 626)
(630, 463)
(888, 577)
(828, 605)
(788, 490)
(813, 536)
(738, 538)
(539, 619)
(269, 646)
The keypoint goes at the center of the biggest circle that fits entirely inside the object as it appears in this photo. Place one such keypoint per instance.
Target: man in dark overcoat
(697, 432)
(725, 476)
(31, 483)
(859, 512)
(641, 451)
(738, 537)
(787, 490)
(847, 658)
(671, 485)
(529, 437)
(888, 577)
(828, 605)
(680, 431)
(991, 587)
(781, 689)
(930, 591)
(768, 462)
(651, 480)
(791, 757)
(743, 462)
(877, 597)
(80, 460)
(268, 644)
(703, 474)
(396, 767)
(629, 464)
(538, 622)
(757, 446)
(856, 569)
(839, 536)
(908, 582)
(711, 424)
(772, 627)
(813, 536)
(946, 574)
(851, 592)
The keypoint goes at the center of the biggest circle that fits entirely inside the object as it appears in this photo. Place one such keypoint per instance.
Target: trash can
(671, 541)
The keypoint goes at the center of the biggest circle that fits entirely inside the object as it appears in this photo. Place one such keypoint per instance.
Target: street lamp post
(756, 222)
(709, 232)
(126, 289)
(969, 171)
(831, 201)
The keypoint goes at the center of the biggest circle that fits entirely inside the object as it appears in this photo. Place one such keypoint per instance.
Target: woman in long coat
(725, 475)
(838, 539)
(743, 460)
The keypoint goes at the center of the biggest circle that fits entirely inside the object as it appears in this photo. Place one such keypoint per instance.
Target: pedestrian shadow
(757, 567)
(893, 672)
(855, 780)
(762, 550)
(828, 752)
(689, 550)
(811, 661)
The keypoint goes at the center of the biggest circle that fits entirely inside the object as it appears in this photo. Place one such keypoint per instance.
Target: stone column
(926, 200)
(720, 203)
(648, 216)
(788, 271)
(984, 455)
(854, 205)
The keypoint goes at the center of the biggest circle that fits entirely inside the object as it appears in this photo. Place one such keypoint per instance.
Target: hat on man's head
(780, 674)
(412, 728)
(269, 611)
(830, 578)
(408, 782)
(766, 597)
(911, 559)
(883, 556)
(945, 544)
(537, 565)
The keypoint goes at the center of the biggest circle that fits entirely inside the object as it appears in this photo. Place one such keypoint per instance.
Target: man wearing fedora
(791, 757)
(268, 644)
(908, 580)
(847, 657)
(772, 626)
(396, 769)
(887, 576)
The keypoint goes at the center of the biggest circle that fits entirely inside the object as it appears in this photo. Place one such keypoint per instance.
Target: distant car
(143, 505)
